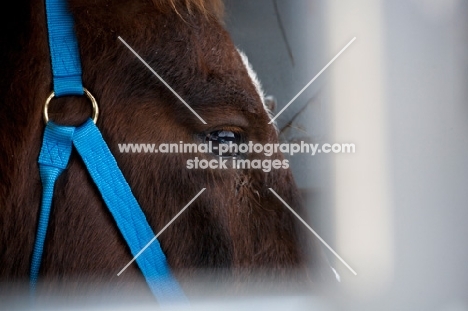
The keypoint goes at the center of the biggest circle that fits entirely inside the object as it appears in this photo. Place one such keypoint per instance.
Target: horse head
(237, 226)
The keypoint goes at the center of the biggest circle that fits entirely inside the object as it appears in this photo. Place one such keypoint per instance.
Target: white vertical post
(361, 189)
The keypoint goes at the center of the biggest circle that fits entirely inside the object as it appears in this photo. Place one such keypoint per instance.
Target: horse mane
(208, 8)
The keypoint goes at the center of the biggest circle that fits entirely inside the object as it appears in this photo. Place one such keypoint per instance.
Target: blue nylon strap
(127, 213)
(53, 159)
(64, 53)
(88, 141)
(55, 154)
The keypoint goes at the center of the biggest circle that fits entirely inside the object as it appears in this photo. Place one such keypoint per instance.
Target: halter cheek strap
(65, 57)
(88, 141)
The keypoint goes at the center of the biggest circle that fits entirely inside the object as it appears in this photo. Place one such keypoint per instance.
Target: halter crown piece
(102, 167)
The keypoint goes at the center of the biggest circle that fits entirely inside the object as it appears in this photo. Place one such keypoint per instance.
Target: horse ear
(270, 103)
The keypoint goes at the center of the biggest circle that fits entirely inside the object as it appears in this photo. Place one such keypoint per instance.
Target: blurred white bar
(270, 303)
(361, 192)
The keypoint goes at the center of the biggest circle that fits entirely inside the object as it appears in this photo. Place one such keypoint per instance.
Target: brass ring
(95, 114)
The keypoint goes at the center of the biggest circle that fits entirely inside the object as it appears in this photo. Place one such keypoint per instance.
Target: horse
(237, 228)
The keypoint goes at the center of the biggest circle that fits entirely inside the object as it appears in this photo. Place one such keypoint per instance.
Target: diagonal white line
(312, 230)
(308, 84)
(161, 79)
(162, 230)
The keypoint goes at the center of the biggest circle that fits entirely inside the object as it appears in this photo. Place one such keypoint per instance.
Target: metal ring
(95, 114)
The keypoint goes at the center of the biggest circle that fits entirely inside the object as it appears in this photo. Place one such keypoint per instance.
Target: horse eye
(223, 137)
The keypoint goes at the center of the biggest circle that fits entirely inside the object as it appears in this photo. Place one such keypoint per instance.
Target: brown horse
(237, 227)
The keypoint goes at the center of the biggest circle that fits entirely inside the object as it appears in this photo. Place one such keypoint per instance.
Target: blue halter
(87, 140)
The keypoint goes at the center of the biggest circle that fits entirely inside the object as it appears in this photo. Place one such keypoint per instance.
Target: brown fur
(237, 226)
(208, 8)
